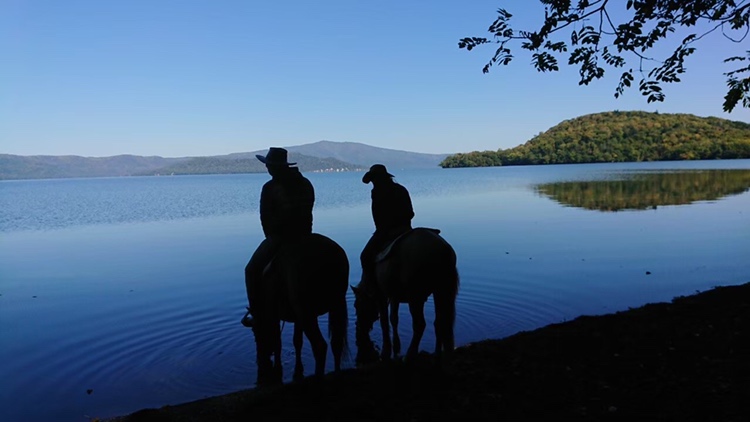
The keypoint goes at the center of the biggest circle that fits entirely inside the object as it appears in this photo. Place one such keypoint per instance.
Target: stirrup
(247, 320)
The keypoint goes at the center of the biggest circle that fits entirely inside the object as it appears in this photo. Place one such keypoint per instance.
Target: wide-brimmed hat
(377, 170)
(275, 157)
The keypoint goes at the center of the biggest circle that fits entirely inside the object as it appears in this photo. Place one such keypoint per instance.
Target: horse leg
(265, 369)
(366, 352)
(418, 325)
(269, 365)
(394, 324)
(299, 371)
(318, 343)
(262, 358)
(278, 375)
(385, 354)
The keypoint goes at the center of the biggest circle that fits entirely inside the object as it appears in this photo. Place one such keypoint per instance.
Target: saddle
(280, 299)
(282, 247)
(385, 253)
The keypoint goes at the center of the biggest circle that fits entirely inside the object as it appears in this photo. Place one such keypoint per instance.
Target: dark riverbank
(688, 360)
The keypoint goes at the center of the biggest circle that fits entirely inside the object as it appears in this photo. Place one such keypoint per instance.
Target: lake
(118, 294)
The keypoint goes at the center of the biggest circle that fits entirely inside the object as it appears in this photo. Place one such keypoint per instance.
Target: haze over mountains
(318, 156)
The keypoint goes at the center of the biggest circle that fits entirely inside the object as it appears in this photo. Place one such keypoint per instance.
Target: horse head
(267, 345)
(366, 306)
(266, 328)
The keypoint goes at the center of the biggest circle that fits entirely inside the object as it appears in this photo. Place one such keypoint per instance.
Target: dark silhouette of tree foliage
(620, 136)
(597, 40)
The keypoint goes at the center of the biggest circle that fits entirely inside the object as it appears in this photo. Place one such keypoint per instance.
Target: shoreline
(688, 359)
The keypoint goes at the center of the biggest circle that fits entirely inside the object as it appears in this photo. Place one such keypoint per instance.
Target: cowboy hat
(377, 170)
(275, 157)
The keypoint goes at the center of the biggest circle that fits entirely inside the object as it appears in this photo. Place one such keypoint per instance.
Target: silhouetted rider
(286, 203)
(392, 213)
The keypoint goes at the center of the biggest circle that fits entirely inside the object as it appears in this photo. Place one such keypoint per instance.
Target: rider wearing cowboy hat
(286, 204)
(391, 211)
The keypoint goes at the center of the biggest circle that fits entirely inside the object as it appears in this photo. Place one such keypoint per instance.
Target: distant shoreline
(323, 156)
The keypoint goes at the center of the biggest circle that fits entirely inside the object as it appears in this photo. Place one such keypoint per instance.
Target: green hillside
(621, 136)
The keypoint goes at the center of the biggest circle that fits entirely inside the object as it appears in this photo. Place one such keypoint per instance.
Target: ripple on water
(496, 307)
(181, 347)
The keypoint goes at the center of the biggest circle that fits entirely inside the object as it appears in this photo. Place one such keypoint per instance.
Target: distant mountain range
(316, 157)
(355, 154)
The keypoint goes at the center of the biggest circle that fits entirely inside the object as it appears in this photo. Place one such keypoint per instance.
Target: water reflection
(647, 190)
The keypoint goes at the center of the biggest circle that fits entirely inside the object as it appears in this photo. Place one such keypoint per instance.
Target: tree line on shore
(621, 137)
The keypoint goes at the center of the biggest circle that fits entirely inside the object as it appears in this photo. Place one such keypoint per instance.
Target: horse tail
(454, 281)
(451, 280)
(338, 314)
(445, 306)
(338, 325)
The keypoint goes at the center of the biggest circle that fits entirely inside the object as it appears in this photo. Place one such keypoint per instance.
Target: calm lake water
(118, 294)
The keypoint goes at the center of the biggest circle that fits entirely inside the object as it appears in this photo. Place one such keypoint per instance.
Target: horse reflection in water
(419, 264)
(305, 280)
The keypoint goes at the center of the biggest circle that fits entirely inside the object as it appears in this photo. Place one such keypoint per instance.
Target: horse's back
(422, 263)
(319, 256)
(427, 250)
(314, 273)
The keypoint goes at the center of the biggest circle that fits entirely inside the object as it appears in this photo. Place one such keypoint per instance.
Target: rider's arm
(266, 209)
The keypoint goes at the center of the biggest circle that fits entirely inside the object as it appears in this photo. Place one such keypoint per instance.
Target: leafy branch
(598, 43)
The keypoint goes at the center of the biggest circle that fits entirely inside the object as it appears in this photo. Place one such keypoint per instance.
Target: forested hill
(621, 136)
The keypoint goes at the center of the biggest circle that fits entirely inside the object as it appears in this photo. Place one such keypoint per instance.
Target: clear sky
(186, 77)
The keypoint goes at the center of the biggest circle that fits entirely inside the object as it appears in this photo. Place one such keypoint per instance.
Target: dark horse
(306, 279)
(419, 264)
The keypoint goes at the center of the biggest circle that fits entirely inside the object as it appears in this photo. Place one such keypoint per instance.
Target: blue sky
(187, 78)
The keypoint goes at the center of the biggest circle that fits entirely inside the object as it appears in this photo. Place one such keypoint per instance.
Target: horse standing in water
(419, 264)
(306, 279)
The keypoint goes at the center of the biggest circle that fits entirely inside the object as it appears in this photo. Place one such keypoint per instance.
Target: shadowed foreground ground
(688, 360)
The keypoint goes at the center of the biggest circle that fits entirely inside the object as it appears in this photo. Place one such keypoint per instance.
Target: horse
(304, 280)
(418, 264)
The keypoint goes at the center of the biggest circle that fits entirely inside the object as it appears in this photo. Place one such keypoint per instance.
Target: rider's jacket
(286, 203)
(391, 206)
